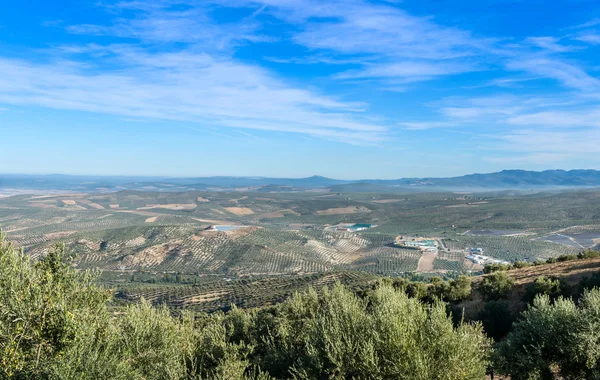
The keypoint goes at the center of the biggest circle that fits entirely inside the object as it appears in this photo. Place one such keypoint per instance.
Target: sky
(293, 88)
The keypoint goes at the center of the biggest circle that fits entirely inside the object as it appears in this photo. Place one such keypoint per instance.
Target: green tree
(554, 339)
(340, 336)
(496, 285)
(552, 287)
(44, 309)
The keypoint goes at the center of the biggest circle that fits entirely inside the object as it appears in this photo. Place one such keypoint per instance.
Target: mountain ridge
(505, 179)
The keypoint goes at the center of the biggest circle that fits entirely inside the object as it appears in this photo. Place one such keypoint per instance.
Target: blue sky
(292, 88)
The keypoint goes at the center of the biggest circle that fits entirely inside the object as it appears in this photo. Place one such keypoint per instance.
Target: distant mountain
(506, 179)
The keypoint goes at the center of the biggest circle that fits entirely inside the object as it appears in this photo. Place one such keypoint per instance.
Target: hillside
(569, 272)
(299, 232)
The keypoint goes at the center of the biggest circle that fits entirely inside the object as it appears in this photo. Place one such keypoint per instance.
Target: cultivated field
(164, 232)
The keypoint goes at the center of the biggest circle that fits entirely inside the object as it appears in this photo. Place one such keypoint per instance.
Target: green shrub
(554, 340)
(588, 254)
(45, 308)
(54, 324)
(552, 287)
(417, 290)
(453, 291)
(496, 285)
(491, 268)
(521, 264)
(564, 258)
(338, 335)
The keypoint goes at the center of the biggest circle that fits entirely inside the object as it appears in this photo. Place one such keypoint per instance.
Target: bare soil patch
(572, 271)
(43, 196)
(43, 204)
(326, 195)
(96, 206)
(151, 219)
(343, 210)
(69, 202)
(387, 200)
(264, 199)
(206, 297)
(144, 213)
(202, 199)
(239, 199)
(58, 235)
(214, 221)
(279, 214)
(114, 205)
(171, 206)
(239, 210)
(136, 241)
(152, 255)
(426, 262)
(463, 205)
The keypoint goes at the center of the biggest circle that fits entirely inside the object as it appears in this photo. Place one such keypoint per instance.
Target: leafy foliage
(552, 287)
(54, 323)
(496, 286)
(557, 338)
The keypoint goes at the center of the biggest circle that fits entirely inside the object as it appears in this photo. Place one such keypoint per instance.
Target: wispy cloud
(407, 71)
(161, 22)
(576, 118)
(588, 24)
(186, 86)
(175, 62)
(416, 126)
(550, 44)
(384, 41)
(590, 38)
(568, 74)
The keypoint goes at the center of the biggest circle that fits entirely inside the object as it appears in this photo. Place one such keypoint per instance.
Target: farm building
(485, 260)
(475, 251)
(425, 245)
(418, 243)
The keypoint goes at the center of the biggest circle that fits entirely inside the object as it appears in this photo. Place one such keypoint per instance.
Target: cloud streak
(189, 87)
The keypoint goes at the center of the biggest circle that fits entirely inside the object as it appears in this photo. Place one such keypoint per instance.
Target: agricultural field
(212, 295)
(243, 234)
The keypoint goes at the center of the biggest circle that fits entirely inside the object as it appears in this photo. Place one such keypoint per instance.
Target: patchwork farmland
(244, 234)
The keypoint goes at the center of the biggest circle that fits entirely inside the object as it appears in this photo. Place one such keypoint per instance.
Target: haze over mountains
(506, 179)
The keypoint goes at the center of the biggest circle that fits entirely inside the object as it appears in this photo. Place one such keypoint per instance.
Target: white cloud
(186, 86)
(568, 74)
(588, 24)
(174, 62)
(384, 41)
(425, 125)
(578, 118)
(550, 44)
(591, 38)
(408, 71)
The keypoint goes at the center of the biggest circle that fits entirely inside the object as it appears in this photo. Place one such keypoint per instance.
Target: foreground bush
(54, 324)
(339, 336)
(554, 339)
(552, 287)
(496, 285)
